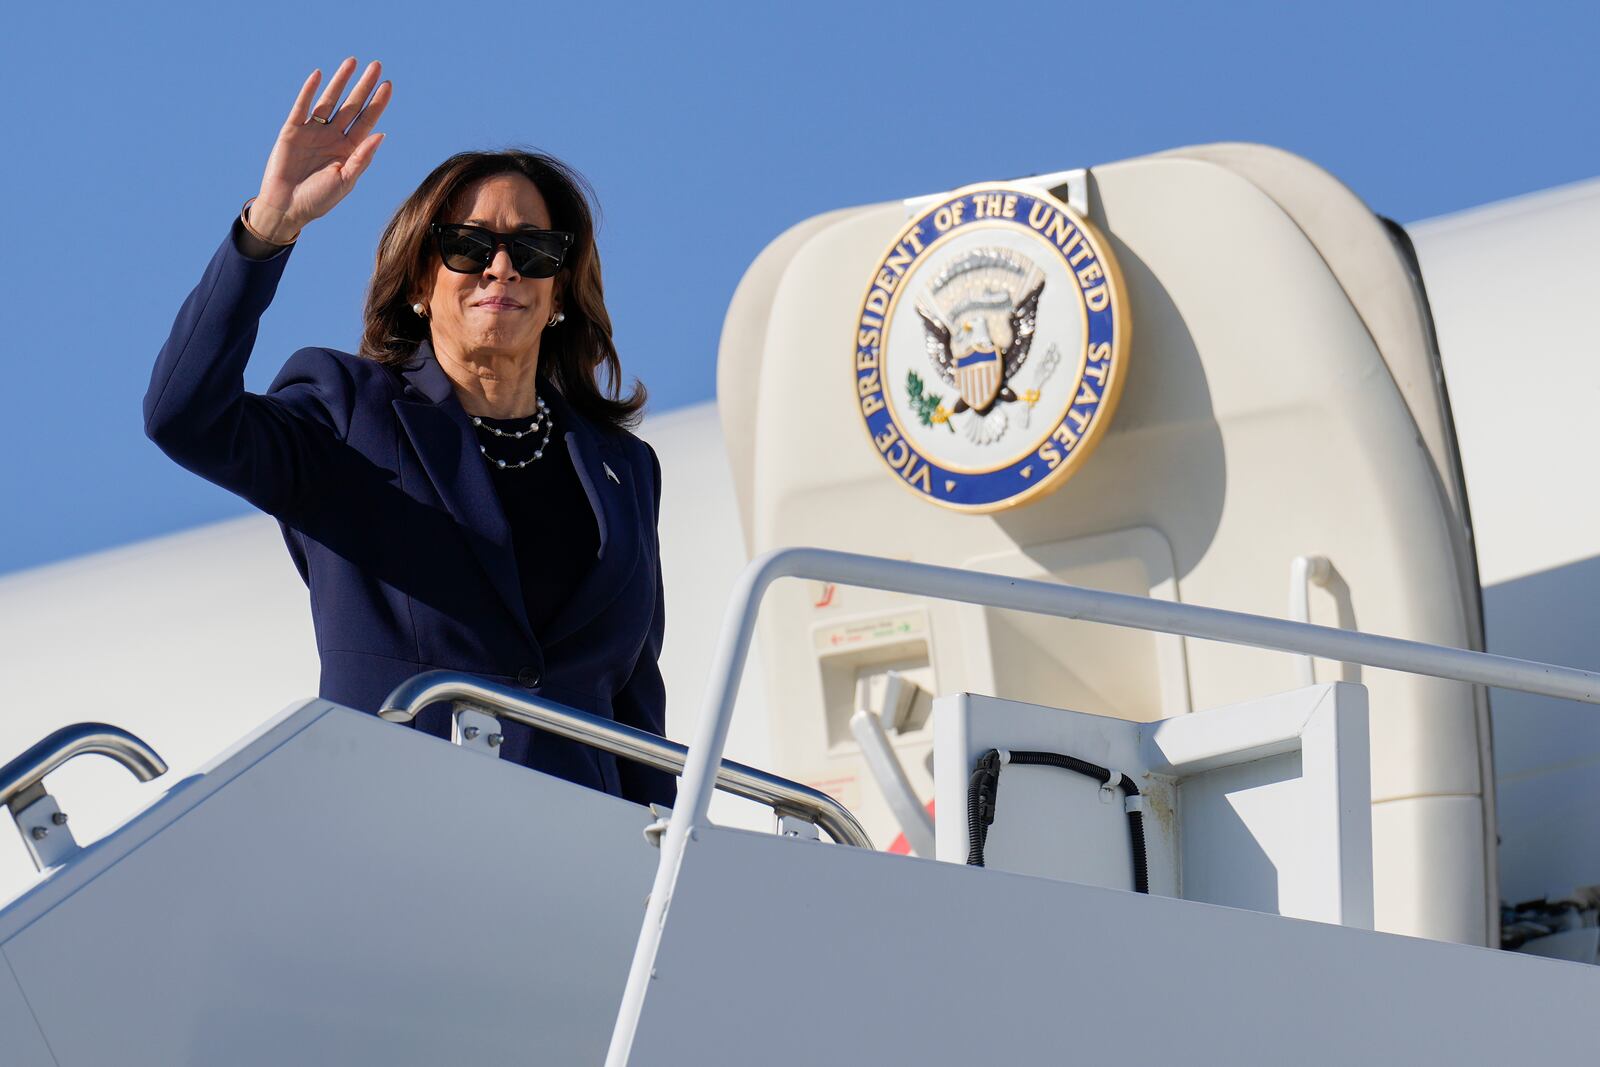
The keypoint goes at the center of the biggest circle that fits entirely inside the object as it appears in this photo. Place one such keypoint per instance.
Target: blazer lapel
(616, 514)
(443, 438)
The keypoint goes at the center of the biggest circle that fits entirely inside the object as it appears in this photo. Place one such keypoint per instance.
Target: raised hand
(314, 164)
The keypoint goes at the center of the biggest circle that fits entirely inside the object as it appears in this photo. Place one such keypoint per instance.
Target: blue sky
(136, 131)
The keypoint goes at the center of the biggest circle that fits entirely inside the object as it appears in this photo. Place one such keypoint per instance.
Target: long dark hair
(573, 352)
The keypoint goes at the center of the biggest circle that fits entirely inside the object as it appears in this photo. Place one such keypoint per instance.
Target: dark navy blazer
(389, 513)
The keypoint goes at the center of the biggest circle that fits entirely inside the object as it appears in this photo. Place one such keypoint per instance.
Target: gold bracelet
(244, 217)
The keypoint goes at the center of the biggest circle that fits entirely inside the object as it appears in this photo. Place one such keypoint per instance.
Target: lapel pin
(610, 473)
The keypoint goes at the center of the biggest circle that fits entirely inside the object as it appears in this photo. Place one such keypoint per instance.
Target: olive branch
(927, 405)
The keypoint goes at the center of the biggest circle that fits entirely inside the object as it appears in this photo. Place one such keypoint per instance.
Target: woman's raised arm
(268, 449)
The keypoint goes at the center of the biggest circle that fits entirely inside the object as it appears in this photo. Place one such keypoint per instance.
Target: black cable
(984, 787)
(981, 790)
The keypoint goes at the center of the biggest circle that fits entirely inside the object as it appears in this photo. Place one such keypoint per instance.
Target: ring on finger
(318, 118)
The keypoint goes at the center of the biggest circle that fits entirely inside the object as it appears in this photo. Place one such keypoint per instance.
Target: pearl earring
(421, 311)
(559, 316)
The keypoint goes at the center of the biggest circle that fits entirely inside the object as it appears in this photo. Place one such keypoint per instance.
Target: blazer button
(527, 677)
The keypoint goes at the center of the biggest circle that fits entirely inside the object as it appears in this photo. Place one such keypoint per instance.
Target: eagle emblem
(991, 346)
(979, 316)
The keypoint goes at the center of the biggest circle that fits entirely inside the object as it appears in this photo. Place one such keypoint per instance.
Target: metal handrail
(780, 794)
(1039, 598)
(18, 777)
(1072, 602)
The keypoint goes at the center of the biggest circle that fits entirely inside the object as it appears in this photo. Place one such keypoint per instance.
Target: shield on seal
(979, 374)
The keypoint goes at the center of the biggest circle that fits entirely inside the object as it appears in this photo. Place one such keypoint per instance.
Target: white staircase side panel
(20, 1037)
(1261, 804)
(788, 952)
(341, 890)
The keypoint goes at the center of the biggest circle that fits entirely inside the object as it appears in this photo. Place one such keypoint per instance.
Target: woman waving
(463, 492)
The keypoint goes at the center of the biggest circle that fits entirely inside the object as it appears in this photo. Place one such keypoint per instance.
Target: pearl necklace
(542, 415)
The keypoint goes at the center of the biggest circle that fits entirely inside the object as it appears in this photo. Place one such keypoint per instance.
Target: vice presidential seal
(991, 347)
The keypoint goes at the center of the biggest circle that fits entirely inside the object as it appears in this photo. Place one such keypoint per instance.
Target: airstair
(334, 890)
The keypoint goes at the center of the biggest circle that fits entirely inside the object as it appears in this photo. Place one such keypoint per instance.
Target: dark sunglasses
(470, 249)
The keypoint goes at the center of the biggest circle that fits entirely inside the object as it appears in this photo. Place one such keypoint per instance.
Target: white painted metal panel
(342, 890)
(1051, 823)
(1259, 805)
(21, 1042)
(786, 952)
